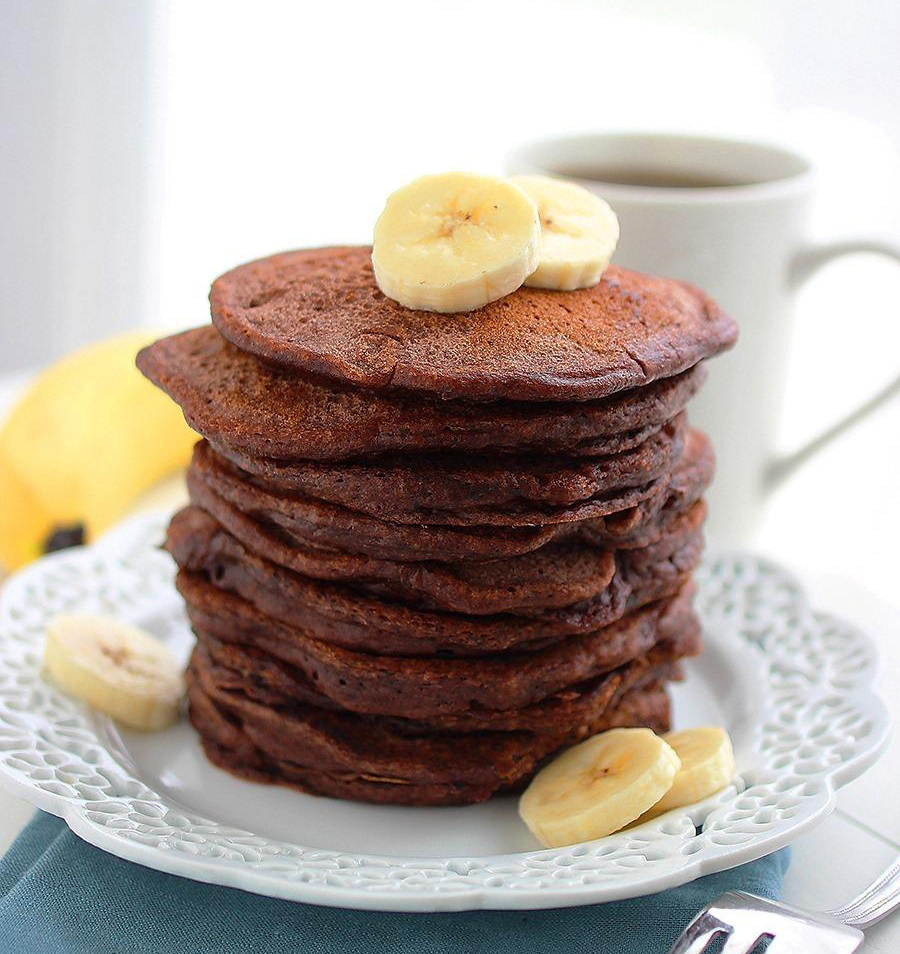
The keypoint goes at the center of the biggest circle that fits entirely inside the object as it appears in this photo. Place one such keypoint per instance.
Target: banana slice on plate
(116, 668)
(579, 232)
(707, 766)
(598, 786)
(454, 242)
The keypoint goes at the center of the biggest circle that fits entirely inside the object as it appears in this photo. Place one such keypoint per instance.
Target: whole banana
(85, 441)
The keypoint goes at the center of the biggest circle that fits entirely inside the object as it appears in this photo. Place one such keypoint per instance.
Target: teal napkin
(59, 895)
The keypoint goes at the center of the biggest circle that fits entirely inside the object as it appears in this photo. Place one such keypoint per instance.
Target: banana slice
(707, 765)
(598, 786)
(579, 232)
(455, 242)
(116, 668)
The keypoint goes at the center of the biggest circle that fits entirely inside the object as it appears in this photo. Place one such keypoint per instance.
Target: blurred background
(149, 146)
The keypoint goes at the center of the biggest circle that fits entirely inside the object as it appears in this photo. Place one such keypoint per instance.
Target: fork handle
(875, 902)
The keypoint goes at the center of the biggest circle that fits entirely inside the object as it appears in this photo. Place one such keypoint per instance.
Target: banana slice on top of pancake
(579, 232)
(456, 241)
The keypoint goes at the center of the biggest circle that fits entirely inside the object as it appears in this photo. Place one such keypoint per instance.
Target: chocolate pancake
(462, 490)
(276, 477)
(347, 616)
(641, 525)
(563, 572)
(261, 411)
(557, 575)
(273, 683)
(326, 754)
(301, 521)
(420, 687)
(320, 310)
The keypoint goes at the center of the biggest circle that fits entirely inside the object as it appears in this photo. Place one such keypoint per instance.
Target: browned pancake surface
(321, 311)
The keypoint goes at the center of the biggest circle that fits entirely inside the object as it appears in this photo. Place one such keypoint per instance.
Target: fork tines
(739, 923)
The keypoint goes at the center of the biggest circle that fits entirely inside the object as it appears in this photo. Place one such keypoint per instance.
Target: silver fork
(749, 924)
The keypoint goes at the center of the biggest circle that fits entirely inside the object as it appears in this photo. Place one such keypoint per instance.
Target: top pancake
(320, 310)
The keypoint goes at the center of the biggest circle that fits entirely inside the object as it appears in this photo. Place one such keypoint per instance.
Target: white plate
(793, 688)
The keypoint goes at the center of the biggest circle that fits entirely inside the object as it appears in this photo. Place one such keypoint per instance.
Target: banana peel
(87, 439)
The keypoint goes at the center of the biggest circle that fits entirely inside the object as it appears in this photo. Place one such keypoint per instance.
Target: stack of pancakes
(424, 552)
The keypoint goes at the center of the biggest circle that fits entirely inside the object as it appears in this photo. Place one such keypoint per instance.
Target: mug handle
(804, 266)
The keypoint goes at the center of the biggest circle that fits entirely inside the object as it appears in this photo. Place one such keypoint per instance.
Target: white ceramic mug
(743, 240)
